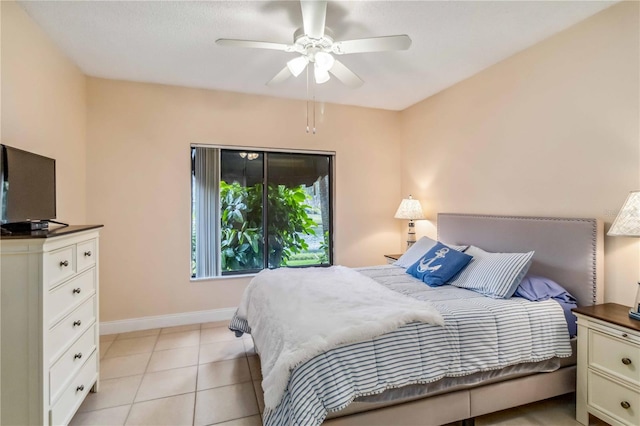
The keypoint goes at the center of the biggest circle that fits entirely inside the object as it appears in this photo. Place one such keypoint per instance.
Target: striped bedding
(480, 334)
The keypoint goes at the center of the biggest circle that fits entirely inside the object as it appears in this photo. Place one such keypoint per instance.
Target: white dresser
(608, 380)
(49, 324)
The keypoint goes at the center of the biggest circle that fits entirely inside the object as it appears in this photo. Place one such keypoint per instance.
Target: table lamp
(412, 210)
(627, 224)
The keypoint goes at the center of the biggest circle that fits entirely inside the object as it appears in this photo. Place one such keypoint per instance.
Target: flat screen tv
(28, 186)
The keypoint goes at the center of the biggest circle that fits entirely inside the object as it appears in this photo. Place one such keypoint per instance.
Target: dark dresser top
(610, 312)
(49, 233)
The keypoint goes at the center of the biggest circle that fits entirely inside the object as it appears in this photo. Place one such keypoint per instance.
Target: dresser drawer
(614, 356)
(60, 265)
(64, 334)
(86, 254)
(613, 330)
(65, 298)
(611, 398)
(70, 362)
(75, 392)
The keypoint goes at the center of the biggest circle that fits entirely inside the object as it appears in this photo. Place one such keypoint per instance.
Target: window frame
(332, 175)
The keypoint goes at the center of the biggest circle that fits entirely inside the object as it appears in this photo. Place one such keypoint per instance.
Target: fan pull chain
(311, 97)
(307, 99)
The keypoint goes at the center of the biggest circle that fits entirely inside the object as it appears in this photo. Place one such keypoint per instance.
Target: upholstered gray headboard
(569, 251)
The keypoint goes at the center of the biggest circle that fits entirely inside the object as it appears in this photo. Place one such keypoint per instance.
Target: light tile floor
(203, 375)
(189, 375)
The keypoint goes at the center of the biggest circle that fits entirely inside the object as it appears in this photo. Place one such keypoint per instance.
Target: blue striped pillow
(496, 275)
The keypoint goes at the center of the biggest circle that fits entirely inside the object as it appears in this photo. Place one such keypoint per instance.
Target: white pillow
(415, 252)
(419, 249)
(496, 275)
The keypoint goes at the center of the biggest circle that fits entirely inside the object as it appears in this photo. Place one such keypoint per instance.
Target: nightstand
(390, 258)
(608, 376)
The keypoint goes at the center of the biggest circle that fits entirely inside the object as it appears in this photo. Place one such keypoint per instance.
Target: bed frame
(569, 251)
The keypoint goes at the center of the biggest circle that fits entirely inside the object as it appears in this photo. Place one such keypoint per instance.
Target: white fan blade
(345, 75)
(254, 44)
(280, 77)
(314, 14)
(374, 44)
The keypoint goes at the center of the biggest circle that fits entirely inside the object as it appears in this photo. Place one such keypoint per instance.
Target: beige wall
(138, 175)
(552, 131)
(44, 106)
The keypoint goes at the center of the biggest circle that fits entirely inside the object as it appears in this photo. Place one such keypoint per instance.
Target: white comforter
(296, 314)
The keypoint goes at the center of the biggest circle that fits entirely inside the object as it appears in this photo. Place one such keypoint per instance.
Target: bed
(566, 250)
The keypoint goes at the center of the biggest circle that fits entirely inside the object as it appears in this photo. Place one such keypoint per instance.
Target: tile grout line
(142, 378)
(195, 394)
(255, 393)
(109, 348)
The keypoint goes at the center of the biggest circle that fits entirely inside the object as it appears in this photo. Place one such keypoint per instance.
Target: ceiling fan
(315, 44)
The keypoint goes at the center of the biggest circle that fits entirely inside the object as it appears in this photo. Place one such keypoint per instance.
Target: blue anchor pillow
(439, 265)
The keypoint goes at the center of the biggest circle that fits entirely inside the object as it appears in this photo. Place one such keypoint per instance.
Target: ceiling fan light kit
(297, 65)
(321, 75)
(324, 60)
(315, 44)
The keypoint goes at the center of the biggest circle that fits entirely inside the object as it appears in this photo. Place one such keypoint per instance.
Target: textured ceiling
(173, 42)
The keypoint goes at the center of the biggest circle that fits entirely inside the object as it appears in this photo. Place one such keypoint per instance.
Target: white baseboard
(171, 320)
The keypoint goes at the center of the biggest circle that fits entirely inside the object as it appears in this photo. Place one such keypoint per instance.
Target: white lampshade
(324, 60)
(297, 65)
(321, 75)
(409, 209)
(627, 223)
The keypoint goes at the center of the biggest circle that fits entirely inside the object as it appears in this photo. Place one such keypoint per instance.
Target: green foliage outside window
(241, 231)
(241, 225)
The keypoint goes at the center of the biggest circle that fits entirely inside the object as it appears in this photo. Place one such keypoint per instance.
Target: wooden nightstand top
(393, 257)
(610, 312)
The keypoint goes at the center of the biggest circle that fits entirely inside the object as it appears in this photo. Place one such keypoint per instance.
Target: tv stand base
(22, 227)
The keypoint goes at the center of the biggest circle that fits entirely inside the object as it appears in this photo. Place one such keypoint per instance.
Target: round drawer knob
(78, 355)
(87, 253)
(77, 290)
(626, 361)
(64, 263)
(77, 323)
(625, 405)
(80, 388)
(624, 335)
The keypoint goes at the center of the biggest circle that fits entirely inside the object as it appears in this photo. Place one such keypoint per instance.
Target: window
(253, 209)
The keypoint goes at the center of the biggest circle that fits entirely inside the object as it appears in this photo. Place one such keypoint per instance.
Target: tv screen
(28, 186)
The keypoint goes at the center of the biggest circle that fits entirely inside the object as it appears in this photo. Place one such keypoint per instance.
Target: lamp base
(634, 315)
(411, 235)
